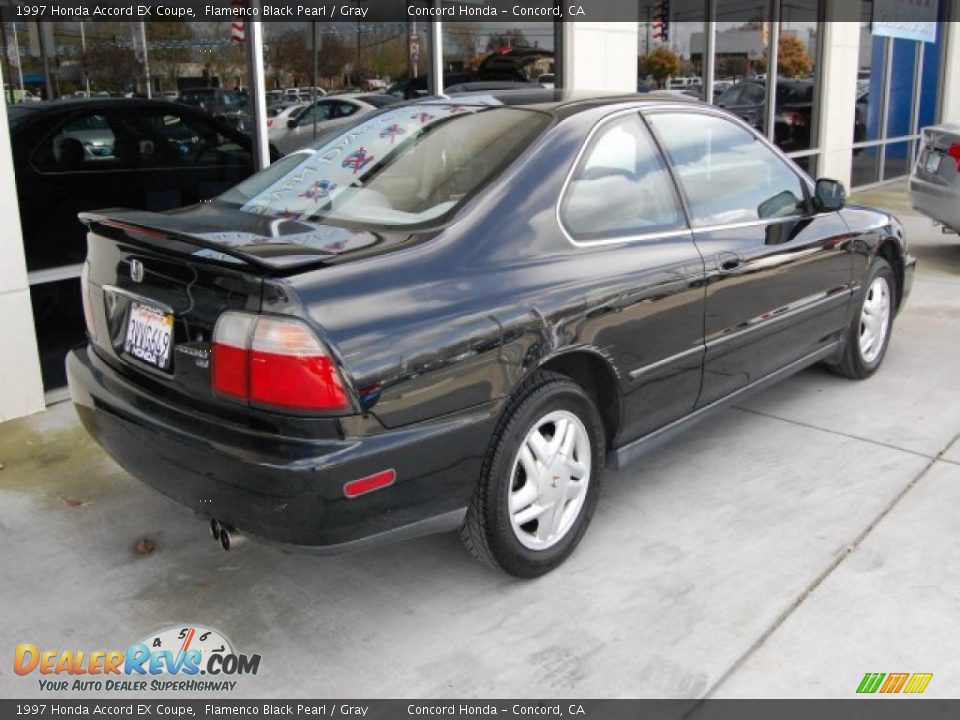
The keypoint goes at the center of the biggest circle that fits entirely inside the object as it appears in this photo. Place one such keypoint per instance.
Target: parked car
(509, 65)
(748, 100)
(230, 106)
(453, 316)
(81, 154)
(935, 180)
(324, 116)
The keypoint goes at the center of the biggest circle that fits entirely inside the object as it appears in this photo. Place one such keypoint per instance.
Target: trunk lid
(157, 283)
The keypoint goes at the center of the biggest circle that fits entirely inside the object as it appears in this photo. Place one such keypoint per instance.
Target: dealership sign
(906, 19)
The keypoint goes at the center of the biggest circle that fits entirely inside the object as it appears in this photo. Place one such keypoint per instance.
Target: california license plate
(932, 163)
(149, 335)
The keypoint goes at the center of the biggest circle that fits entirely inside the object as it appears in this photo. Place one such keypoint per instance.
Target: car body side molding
(626, 454)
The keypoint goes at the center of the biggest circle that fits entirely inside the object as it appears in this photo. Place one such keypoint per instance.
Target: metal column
(258, 92)
(772, 70)
(709, 52)
(435, 76)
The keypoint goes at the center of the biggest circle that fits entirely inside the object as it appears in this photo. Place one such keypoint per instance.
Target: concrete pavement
(783, 548)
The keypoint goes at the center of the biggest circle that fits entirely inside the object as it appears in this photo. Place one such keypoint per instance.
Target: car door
(779, 276)
(621, 209)
(183, 158)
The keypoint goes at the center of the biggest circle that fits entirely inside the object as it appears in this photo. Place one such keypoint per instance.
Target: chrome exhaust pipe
(230, 538)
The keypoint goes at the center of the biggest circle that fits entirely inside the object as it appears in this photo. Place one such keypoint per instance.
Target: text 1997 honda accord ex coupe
(456, 315)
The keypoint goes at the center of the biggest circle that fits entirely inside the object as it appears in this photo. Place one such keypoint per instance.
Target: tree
(169, 47)
(512, 38)
(660, 63)
(793, 60)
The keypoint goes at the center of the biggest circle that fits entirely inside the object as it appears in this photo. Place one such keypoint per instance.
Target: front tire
(869, 333)
(540, 479)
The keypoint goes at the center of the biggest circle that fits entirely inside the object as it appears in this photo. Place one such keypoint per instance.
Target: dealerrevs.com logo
(172, 660)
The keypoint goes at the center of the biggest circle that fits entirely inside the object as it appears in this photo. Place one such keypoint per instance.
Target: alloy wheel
(549, 479)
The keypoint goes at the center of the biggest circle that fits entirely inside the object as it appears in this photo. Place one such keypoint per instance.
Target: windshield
(404, 166)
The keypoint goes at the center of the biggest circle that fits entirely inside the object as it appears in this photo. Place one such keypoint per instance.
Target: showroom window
(898, 87)
(728, 62)
(106, 156)
(498, 54)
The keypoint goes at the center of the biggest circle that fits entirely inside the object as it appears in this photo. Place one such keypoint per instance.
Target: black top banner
(509, 11)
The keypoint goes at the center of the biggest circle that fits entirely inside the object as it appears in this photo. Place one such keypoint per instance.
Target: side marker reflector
(368, 484)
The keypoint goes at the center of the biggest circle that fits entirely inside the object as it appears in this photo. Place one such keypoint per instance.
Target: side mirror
(829, 195)
(292, 123)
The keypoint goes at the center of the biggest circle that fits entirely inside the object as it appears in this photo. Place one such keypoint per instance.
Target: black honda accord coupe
(454, 314)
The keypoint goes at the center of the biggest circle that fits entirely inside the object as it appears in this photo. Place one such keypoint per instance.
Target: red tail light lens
(269, 122)
(954, 152)
(274, 362)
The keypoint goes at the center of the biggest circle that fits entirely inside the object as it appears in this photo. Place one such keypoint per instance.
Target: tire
(861, 359)
(567, 485)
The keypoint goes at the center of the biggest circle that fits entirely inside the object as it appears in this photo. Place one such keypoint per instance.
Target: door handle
(728, 262)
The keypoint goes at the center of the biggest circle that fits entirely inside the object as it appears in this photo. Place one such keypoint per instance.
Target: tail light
(269, 122)
(274, 362)
(954, 152)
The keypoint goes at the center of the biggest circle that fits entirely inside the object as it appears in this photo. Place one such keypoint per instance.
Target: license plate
(932, 163)
(149, 335)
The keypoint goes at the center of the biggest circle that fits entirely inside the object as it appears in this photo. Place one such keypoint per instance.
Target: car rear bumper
(287, 490)
(942, 203)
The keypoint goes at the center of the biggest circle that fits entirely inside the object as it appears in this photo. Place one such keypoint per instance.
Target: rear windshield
(400, 167)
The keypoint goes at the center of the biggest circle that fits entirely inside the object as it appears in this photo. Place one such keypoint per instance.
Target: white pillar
(600, 56)
(838, 93)
(950, 101)
(21, 388)
(435, 76)
(258, 92)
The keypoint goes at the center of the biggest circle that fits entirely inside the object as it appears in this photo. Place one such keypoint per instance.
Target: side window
(345, 109)
(82, 143)
(753, 94)
(731, 96)
(620, 186)
(166, 140)
(319, 112)
(727, 173)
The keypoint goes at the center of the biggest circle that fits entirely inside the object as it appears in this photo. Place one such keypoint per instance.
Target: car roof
(100, 102)
(563, 103)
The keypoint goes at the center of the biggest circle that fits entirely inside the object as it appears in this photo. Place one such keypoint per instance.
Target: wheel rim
(874, 319)
(549, 479)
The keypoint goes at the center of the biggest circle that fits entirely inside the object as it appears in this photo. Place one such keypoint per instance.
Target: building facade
(847, 103)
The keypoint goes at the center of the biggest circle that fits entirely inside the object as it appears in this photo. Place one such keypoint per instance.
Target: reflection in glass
(58, 319)
(896, 160)
(797, 113)
(671, 48)
(865, 168)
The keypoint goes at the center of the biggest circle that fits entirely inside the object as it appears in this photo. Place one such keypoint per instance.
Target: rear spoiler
(269, 256)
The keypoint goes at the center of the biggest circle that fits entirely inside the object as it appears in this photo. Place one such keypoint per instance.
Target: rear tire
(540, 479)
(869, 332)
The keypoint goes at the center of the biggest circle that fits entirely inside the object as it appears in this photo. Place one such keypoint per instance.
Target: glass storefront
(897, 95)
(153, 156)
(675, 49)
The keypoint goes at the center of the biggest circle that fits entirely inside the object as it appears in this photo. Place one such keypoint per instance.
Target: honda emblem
(136, 270)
